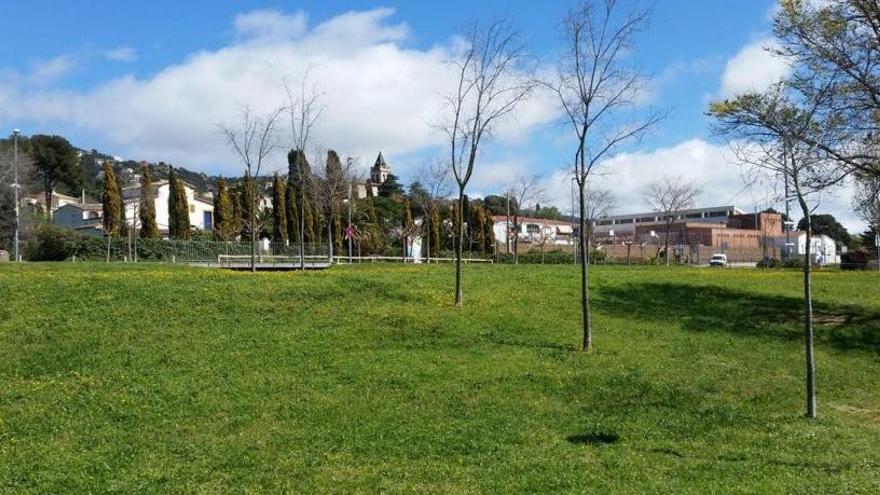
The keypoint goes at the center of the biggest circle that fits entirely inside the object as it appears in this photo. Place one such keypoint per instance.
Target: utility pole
(15, 133)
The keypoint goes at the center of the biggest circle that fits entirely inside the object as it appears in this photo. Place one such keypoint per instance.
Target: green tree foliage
(292, 207)
(111, 202)
(279, 210)
(300, 174)
(435, 225)
(391, 188)
(335, 178)
(827, 225)
(248, 200)
(147, 207)
(54, 162)
(178, 208)
(224, 226)
(237, 214)
(497, 205)
(549, 213)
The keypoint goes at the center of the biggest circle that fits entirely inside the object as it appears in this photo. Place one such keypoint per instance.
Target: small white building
(823, 249)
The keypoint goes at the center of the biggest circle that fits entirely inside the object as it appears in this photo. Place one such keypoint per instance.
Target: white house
(823, 249)
(201, 207)
(533, 230)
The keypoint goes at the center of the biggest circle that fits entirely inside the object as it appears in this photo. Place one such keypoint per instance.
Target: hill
(158, 378)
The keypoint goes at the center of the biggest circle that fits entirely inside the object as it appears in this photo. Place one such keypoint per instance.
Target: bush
(50, 242)
(855, 260)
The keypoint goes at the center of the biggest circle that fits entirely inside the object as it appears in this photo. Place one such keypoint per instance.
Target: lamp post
(15, 133)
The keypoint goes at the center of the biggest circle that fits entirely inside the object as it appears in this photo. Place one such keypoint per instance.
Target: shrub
(854, 260)
(50, 242)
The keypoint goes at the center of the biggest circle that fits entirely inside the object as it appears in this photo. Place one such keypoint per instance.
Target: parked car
(718, 260)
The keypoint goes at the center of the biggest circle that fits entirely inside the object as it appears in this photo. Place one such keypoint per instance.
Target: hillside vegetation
(159, 378)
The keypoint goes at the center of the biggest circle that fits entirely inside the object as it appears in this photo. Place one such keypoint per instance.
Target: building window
(533, 228)
(624, 221)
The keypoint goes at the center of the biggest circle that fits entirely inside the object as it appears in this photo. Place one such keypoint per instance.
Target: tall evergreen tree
(55, 162)
(235, 228)
(223, 212)
(434, 236)
(248, 215)
(292, 207)
(335, 184)
(112, 205)
(178, 208)
(279, 210)
(147, 207)
(300, 174)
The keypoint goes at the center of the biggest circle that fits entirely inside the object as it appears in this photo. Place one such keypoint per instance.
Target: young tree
(253, 140)
(777, 128)
(599, 92)
(147, 207)
(669, 197)
(523, 191)
(433, 175)
(112, 206)
(55, 162)
(303, 109)
(336, 183)
(492, 80)
(178, 208)
(279, 210)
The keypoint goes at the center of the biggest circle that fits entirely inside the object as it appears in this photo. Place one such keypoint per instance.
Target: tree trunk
(666, 243)
(458, 246)
(587, 344)
(808, 314)
(516, 241)
(253, 249)
(108, 248)
(330, 238)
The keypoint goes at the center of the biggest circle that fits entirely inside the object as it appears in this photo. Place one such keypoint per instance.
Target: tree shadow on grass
(709, 308)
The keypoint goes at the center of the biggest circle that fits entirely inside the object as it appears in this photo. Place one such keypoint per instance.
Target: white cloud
(48, 71)
(270, 24)
(377, 92)
(121, 54)
(711, 166)
(754, 68)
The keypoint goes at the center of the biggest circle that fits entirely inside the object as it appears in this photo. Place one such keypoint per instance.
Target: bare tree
(600, 203)
(337, 179)
(304, 108)
(434, 176)
(773, 131)
(867, 204)
(669, 197)
(492, 80)
(7, 190)
(524, 190)
(600, 94)
(253, 140)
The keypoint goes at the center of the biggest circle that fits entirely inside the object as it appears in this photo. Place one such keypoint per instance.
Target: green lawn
(157, 378)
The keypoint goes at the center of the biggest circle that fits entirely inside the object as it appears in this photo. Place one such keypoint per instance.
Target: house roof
(525, 219)
(83, 206)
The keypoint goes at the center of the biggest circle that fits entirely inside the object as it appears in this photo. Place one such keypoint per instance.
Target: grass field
(366, 379)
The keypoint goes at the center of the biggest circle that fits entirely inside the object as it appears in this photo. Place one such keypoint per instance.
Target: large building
(201, 206)
(379, 172)
(623, 225)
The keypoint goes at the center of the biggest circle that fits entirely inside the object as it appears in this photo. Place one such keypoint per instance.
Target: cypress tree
(178, 208)
(223, 215)
(235, 228)
(112, 203)
(291, 205)
(248, 215)
(300, 174)
(336, 180)
(147, 207)
(279, 210)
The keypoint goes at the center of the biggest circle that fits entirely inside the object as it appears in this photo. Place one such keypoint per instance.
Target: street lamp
(15, 133)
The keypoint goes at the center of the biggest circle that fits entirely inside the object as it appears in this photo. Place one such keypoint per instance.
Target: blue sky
(150, 80)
